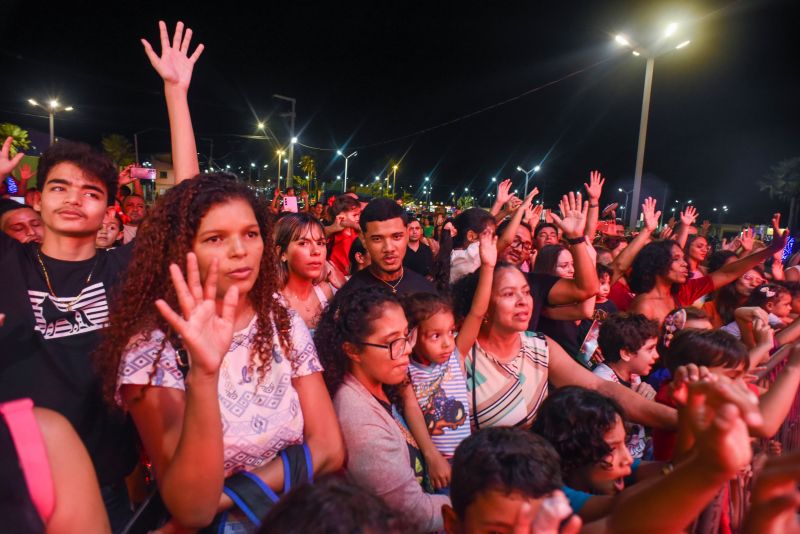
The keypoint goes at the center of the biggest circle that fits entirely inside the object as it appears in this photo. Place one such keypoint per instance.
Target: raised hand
(175, 64)
(533, 215)
(689, 215)
(705, 226)
(125, 176)
(513, 203)
(8, 164)
(488, 248)
(651, 216)
(572, 221)
(205, 334)
(503, 192)
(747, 239)
(595, 186)
(666, 232)
(26, 173)
(778, 238)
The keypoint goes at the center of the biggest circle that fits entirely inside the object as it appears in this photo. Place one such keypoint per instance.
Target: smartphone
(290, 204)
(143, 173)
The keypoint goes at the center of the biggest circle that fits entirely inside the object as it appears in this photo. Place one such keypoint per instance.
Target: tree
(19, 138)
(783, 183)
(465, 202)
(119, 149)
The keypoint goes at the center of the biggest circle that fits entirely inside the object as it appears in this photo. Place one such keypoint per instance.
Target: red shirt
(620, 294)
(340, 251)
(692, 290)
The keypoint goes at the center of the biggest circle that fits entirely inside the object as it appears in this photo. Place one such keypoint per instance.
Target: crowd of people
(213, 361)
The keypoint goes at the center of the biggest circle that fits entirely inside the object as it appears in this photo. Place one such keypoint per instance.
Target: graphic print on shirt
(64, 316)
(441, 412)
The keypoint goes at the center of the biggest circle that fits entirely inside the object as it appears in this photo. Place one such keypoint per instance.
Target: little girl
(437, 366)
(774, 299)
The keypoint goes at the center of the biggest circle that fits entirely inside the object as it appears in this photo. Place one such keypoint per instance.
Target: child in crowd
(774, 299)
(628, 345)
(437, 365)
(604, 277)
(507, 480)
(469, 225)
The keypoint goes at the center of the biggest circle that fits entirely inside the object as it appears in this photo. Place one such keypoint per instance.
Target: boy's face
(641, 362)
(353, 215)
(607, 477)
(73, 203)
(605, 288)
(492, 511)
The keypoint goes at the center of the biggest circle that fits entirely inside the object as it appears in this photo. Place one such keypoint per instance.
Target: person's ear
(352, 352)
(626, 355)
(471, 236)
(451, 523)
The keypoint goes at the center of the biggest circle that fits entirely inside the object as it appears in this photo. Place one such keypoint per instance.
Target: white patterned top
(257, 422)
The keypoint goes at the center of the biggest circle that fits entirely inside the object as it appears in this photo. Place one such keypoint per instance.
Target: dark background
(723, 110)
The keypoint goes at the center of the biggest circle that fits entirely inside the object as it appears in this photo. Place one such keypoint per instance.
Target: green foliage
(783, 180)
(466, 201)
(119, 149)
(19, 138)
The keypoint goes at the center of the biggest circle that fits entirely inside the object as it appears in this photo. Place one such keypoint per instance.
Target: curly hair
(652, 261)
(504, 459)
(575, 420)
(165, 237)
(625, 331)
(349, 318)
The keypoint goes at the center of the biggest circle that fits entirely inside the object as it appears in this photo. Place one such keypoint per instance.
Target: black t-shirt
(47, 342)
(419, 261)
(410, 284)
(540, 284)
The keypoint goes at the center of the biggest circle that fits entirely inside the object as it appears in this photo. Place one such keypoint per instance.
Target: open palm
(175, 66)
(205, 334)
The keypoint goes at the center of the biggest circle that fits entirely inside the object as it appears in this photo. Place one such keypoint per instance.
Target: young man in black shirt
(384, 234)
(419, 257)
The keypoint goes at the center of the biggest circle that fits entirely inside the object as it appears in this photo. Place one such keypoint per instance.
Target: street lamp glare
(683, 44)
(537, 168)
(54, 104)
(294, 140)
(620, 190)
(252, 164)
(32, 102)
(494, 178)
(261, 125)
(636, 53)
(671, 29)
(68, 108)
(519, 168)
(339, 152)
(620, 39)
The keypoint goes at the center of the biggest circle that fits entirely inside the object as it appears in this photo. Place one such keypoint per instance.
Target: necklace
(298, 301)
(50, 285)
(393, 287)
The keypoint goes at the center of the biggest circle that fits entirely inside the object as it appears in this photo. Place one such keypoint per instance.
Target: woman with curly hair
(301, 248)
(364, 343)
(660, 277)
(223, 387)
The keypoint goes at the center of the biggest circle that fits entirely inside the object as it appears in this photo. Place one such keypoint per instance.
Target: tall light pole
(292, 115)
(52, 106)
(528, 174)
(661, 47)
(280, 157)
(346, 158)
(394, 179)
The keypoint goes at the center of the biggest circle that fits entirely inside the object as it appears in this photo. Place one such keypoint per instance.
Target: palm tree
(19, 138)
(783, 182)
(119, 149)
(309, 166)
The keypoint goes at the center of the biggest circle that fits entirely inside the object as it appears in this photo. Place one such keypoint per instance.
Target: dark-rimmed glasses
(397, 346)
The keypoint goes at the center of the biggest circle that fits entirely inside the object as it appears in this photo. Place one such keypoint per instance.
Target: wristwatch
(576, 240)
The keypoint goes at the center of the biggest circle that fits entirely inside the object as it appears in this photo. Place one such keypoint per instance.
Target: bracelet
(576, 240)
(594, 205)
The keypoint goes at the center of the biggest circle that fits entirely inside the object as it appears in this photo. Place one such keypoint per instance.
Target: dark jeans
(118, 506)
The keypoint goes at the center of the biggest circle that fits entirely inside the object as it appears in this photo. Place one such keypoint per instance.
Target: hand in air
(125, 176)
(175, 64)
(8, 164)
(651, 216)
(504, 192)
(595, 186)
(689, 215)
(572, 221)
(205, 334)
(747, 239)
(488, 248)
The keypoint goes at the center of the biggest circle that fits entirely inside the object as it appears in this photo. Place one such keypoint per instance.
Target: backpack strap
(32, 454)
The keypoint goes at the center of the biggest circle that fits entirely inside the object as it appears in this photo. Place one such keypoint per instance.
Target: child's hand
(553, 510)
(488, 249)
(645, 390)
(439, 471)
(763, 332)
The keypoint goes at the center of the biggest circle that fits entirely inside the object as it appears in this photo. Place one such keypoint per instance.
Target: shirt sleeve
(577, 499)
(304, 352)
(139, 360)
(694, 289)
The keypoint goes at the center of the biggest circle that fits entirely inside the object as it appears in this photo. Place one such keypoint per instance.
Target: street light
(52, 106)
(346, 158)
(292, 115)
(280, 156)
(528, 174)
(394, 179)
(626, 196)
(660, 48)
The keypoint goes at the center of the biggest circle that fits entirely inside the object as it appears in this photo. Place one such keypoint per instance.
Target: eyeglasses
(526, 247)
(397, 346)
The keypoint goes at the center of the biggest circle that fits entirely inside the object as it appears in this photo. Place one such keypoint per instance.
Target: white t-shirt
(257, 421)
(464, 261)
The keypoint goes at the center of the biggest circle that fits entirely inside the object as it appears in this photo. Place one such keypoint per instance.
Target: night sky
(377, 77)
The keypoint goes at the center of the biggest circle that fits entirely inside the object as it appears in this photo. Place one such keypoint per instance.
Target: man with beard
(133, 206)
(20, 221)
(384, 235)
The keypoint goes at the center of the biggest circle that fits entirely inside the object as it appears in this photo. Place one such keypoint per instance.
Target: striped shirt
(508, 393)
(442, 394)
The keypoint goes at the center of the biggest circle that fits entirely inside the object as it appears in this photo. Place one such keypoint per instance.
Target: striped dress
(510, 393)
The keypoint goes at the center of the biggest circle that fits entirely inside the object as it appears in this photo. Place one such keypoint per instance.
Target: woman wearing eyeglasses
(364, 344)
(725, 300)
